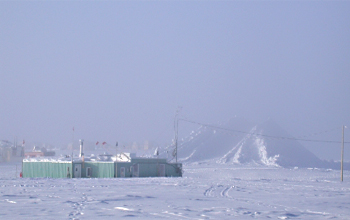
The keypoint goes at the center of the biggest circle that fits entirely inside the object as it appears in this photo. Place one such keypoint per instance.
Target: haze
(117, 71)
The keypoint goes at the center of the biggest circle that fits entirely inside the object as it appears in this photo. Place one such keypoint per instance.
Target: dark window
(88, 172)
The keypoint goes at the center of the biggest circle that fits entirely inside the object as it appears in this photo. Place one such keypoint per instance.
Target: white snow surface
(206, 191)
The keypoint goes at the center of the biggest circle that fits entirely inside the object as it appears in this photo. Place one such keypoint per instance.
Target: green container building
(134, 167)
(148, 167)
(51, 169)
(93, 169)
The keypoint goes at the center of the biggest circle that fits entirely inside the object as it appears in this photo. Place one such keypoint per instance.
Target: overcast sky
(119, 70)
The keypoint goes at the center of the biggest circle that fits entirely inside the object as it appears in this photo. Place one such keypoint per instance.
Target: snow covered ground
(207, 191)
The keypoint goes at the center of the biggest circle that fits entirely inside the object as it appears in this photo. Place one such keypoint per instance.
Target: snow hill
(224, 146)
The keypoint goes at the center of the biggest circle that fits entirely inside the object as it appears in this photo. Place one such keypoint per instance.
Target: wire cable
(263, 135)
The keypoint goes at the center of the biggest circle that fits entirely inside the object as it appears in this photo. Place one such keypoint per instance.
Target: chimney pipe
(81, 148)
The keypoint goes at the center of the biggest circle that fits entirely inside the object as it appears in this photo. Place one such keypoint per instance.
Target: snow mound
(256, 146)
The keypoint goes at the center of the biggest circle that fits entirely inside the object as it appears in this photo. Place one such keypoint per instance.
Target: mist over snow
(262, 144)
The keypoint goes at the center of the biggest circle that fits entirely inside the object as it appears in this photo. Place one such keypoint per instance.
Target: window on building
(88, 172)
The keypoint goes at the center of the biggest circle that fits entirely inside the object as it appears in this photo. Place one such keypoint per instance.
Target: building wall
(5, 154)
(47, 169)
(126, 165)
(99, 169)
(173, 170)
(148, 167)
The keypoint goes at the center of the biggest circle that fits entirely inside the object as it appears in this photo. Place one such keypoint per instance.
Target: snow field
(207, 191)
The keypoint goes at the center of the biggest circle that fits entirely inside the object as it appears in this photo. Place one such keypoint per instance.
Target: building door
(135, 170)
(161, 169)
(122, 171)
(77, 170)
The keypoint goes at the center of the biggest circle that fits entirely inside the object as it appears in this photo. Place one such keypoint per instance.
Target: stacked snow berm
(254, 144)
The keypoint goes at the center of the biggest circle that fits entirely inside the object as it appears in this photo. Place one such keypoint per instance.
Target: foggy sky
(117, 71)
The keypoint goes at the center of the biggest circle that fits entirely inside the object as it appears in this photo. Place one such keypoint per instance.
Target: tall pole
(342, 155)
(176, 134)
(176, 130)
(72, 145)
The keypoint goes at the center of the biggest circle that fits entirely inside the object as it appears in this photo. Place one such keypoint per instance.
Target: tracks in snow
(78, 208)
(218, 191)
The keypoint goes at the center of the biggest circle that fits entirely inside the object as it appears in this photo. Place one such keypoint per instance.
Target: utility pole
(176, 123)
(342, 155)
(176, 130)
(72, 148)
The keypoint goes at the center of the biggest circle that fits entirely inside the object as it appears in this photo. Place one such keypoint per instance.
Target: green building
(95, 168)
(44, 168)
(148, 167)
